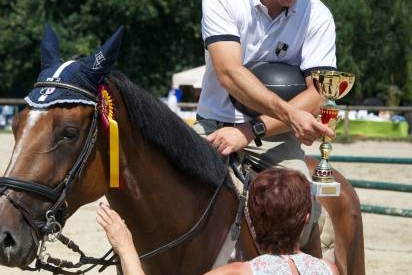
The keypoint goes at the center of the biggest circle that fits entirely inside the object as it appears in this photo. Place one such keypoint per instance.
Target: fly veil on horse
(175, 194)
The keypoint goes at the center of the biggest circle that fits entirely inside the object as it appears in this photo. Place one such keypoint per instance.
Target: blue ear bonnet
(59, 83)
(43, 97)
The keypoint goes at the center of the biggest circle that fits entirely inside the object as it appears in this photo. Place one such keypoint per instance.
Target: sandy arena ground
(388, 239)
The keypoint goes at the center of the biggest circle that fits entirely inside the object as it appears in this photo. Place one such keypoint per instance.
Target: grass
(5, 131)
(350, 139)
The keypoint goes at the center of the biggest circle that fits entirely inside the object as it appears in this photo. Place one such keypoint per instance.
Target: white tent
(192, 77)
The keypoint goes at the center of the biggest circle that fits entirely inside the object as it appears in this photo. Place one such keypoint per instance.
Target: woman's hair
(279, 200)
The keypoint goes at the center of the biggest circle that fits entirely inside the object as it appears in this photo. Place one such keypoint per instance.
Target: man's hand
(306, 128)
(228, 140)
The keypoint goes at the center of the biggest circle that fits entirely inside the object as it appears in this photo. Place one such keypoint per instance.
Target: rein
(192, 230)
(50, 229)
(46, 262)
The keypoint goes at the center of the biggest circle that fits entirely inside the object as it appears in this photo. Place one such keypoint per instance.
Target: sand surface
(388, 239)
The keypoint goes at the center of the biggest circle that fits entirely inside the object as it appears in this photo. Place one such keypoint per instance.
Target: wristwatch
(258, 129)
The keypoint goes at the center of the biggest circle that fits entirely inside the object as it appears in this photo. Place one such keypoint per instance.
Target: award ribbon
(106, 109)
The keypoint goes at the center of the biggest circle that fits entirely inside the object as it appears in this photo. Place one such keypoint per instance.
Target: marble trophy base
(326, 189)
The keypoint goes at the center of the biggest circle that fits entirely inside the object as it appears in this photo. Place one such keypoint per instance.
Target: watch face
(259, 128)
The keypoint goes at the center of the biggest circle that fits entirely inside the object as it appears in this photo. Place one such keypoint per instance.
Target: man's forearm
(308, 100)
(240, 81)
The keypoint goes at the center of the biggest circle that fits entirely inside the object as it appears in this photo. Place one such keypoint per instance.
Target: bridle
(56, 195)
(57, 214)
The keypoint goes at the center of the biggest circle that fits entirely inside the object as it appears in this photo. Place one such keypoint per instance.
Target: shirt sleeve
(218, 22)
(319, 49)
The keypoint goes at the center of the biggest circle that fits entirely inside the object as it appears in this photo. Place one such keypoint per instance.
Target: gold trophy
(332, 85)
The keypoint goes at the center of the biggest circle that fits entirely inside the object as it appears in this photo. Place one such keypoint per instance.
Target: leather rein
(49, 229)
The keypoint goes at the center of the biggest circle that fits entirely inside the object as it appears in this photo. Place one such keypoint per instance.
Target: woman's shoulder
(332, 266)
(311, 264)
(270, 264)
(235, 268)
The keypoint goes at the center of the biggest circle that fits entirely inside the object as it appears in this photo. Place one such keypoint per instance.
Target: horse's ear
(49, 48)
(99, 64)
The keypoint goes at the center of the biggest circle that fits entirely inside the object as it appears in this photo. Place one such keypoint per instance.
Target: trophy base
(330, 189)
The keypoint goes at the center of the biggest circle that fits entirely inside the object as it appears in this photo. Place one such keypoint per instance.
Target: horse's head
(54, 140)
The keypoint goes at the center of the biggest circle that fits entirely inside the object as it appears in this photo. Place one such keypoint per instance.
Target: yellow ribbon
(114, 153)
(106, 109)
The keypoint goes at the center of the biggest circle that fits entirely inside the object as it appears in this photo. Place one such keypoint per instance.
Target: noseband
(57, 195)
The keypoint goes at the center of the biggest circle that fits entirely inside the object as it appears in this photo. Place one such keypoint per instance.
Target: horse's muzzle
(18, 242)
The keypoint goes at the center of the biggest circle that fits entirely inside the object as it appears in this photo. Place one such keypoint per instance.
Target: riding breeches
(281, 150)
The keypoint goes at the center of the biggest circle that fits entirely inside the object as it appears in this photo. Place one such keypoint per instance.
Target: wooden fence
(346, 108)
(12, 101)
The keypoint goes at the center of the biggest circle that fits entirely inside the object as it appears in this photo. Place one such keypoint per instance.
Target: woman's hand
(116, 230)
(120, 238)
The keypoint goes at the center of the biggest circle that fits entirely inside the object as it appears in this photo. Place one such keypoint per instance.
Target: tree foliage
(163, 37)
(374, 42)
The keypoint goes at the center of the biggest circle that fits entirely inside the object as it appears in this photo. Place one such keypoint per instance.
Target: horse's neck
(155, 199)
(160, 203)
(151, 180)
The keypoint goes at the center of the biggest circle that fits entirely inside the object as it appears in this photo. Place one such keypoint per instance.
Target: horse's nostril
(7, 246)
(8, 240)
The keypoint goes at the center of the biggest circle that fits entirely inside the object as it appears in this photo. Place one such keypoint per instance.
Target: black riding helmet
(283, 79)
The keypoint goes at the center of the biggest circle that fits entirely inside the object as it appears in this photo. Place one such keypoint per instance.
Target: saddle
(242, 175)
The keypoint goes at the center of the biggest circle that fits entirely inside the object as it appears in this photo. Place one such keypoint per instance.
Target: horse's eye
(69, 134)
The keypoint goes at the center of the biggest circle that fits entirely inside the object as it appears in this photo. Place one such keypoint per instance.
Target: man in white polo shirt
(235, 32)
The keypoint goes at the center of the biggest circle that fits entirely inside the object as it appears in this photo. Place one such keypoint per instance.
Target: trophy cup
(332, 85)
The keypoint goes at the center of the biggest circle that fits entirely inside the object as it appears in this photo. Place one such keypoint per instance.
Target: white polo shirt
(303, 35)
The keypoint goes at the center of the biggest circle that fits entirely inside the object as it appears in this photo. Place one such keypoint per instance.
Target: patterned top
(278, 265)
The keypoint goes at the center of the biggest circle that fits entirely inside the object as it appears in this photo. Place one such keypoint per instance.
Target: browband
(56, 84)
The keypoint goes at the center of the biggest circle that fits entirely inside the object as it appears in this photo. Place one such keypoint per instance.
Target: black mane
(160, 126)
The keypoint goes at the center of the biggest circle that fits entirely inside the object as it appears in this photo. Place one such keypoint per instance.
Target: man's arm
(309, 100)
(245, 87)
(242, 84)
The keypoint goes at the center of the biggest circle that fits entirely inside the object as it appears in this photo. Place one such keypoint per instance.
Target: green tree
(373, 42)
(20, 34)
(162, 37)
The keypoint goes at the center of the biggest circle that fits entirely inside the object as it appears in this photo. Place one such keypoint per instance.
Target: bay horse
(172, 181)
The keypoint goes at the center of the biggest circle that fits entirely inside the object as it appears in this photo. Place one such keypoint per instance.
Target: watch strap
(258, 142)
(258, 134)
